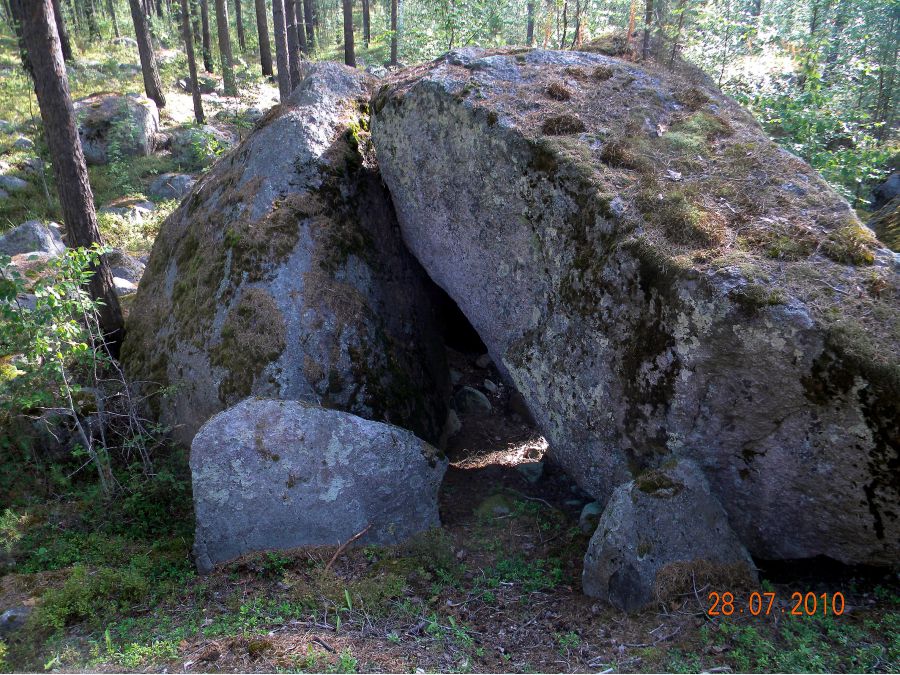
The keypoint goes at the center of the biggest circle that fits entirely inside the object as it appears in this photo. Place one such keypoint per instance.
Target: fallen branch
(346, 544)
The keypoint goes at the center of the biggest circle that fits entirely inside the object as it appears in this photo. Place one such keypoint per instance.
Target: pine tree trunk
(367, 23)
(310, 26)
(207, 40)
(111, 9)
(262, 33)
(239, 22)
(225, 48)
(51, 84)
(281, 50)
(301, 30)
(648, 20)
(293, 43)
(529, 28)
(93, 28)
(195, 22)
(64, 41)
(192, 62)
(394, 35)
(152, 84)
(349, 52)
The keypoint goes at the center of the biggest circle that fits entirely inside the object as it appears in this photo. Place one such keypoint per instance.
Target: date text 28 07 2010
(763, 604)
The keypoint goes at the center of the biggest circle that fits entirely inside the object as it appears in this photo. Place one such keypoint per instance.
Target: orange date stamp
(764, 604)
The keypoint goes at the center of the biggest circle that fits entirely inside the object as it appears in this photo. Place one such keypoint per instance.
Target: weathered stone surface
(200, 146)
(130, 208)
(886, 191)
(32, 236)
(171, 186)
(665, 518)
(129, 122)
(280, 474)
(661, 282)
(23, 143)
(13, 183)
(470, 401)
(283, 275)
(124, 266)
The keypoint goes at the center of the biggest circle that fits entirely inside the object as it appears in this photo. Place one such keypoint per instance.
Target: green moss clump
(754, 297)
(656, 482)
(562, 125)
(624, 153)
(602, 73)
(558, 92)
(682, 221)
(886, 224)
(692, 98)
(852, 245)
(253, 336)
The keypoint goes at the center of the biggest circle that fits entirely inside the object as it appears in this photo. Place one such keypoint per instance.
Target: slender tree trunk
(262, 33)
(159, 8)
(51, 84)
(565, 24)
(78, 13)
(93, 28)
(394, 32)
(281, 50)
(349, 51)
(293, 43)
(310, 26)
(192, 62)
(111, 9)
(64, 41)
(152, 84)
(682, 9)
(529, 27)
(648, 21)
(225, 48)
(239, 22)
(207, 39)
(195, 22)
(367, 23)
(301, 30)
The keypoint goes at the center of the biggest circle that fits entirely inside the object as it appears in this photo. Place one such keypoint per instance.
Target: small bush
(91, 596)
(602, 73)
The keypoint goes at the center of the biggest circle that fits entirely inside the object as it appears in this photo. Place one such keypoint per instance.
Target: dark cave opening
(453, 325)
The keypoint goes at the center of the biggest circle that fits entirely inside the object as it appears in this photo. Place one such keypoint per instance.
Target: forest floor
(497, 588)
(110, 586)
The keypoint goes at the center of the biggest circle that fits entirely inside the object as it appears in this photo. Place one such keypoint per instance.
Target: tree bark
(310, 26)
(195, 22)
(152, 84)
(281, 50)
(301, 29)
(51, 84)
(207, 39)
(64, 41)
(529, 26)
(225, 48)
(93, 28)
(366, 23)
(394, 35)
(192, 62)
(648, 20)
(262, 33)
(293, 42)
(111, 10)
(239, 23)
(349, 52)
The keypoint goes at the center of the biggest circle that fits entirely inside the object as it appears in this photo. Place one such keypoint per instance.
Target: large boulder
(33, 236)
(113, 125)
(283, 275)
(281, 474)
(661, 527)
(655, 276)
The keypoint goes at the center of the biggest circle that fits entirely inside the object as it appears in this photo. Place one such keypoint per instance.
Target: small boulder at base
(125, 266)
(32, 236)
(128, 123)
(655, 531)
(281, 474)
(13, 183)
(171, 186)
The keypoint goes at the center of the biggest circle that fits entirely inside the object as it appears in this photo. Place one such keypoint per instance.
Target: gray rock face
(886, 191)
(13, 183)
(32, 236)
(200, 146)
(664, 518)
(281, 474)
(13, 619)
(22, 143)
(171, 186)
(129, 122)
(604, 290)
(282, 275)
(134, 210)
(125, 266)
(470, 401)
